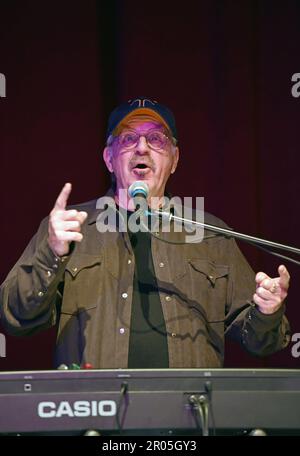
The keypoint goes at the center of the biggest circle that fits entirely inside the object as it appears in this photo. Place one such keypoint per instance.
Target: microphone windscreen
(138, 188)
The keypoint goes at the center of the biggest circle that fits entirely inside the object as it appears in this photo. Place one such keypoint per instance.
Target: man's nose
(142, 146)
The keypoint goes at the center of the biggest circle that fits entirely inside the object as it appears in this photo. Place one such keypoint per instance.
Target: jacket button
(40, 294)
(168, 298)
(173, 334)
(211, 277)
(161, 265)
(49, 273)
(121, 330)
(75, 269)
(129, 261)
(124, 295)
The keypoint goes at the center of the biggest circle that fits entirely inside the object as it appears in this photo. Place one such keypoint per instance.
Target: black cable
(207, 237)
(292, 260)
(265, 249)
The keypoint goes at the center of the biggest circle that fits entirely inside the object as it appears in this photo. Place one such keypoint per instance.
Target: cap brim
(148, 114)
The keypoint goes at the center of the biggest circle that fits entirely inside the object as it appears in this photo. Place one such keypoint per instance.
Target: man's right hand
(64, 225)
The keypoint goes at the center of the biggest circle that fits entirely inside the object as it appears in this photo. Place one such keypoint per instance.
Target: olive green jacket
(205, 290)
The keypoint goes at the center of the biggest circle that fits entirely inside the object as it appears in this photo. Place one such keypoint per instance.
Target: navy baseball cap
(141, 105)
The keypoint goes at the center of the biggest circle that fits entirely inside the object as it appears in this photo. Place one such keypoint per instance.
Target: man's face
(141, 162)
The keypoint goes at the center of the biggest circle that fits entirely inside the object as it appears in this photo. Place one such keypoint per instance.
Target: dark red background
(223, 67)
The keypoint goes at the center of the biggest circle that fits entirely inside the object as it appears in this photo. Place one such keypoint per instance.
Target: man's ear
(107, 157)
(175, 160)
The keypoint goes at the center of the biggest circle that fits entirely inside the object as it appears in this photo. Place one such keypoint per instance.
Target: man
(124, 299)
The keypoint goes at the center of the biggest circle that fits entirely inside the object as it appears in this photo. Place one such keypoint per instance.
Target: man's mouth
(141, 169)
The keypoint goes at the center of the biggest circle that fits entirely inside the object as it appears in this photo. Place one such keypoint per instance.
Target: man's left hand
(271, 292)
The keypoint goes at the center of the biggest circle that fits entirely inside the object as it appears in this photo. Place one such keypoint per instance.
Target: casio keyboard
(158, 401)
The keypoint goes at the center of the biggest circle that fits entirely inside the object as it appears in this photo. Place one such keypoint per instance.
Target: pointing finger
(62, 199)
(284, 278)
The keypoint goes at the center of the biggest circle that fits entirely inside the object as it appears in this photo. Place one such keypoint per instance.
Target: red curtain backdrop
(223, 67)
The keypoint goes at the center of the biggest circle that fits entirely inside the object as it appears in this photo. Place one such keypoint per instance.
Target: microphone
(138, 189)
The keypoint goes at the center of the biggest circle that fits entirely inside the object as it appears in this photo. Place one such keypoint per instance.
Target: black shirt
(148, 346)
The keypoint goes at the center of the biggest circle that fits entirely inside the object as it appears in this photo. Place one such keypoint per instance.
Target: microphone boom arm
(229, 233)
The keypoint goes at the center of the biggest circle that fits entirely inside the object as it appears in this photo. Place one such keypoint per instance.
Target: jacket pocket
(210, 270)
(202, 289)
(83, 278)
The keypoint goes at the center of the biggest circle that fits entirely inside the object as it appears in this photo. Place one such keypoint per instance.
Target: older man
(129, 299)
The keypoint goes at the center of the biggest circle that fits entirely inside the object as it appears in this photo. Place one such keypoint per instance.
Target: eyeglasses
(155, 139)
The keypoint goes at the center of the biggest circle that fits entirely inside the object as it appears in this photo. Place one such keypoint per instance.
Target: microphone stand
(230, 233)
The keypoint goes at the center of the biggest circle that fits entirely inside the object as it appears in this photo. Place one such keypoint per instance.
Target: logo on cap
(141, 102)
